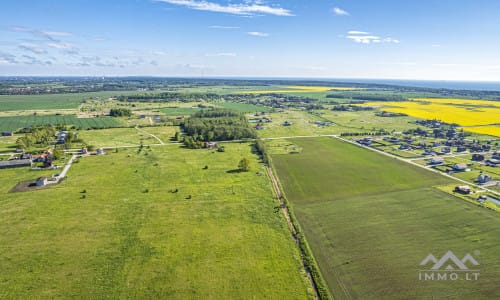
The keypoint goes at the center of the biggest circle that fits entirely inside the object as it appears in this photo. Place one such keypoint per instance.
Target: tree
(57, 154)
(244, 165)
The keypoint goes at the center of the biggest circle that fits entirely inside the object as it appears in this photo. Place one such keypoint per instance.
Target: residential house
(100, 151)
(477, 157)
(286, 123)
(483, 178)
(493, 162)
(436, 160)
(463, 189)
(459, 167)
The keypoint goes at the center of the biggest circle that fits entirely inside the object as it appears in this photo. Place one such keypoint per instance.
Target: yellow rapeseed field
(303, 89)
(488, 130)
(464, 112)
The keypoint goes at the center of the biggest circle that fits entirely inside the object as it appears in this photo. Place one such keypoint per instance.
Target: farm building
(496, 155)
(483, 178)
(463, 189)
(41, 181)
(459, 167)
(286, 123)
(259, 127)
(7, 133)
(436, 160)
(15, 163)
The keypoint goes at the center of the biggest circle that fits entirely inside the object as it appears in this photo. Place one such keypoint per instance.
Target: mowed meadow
(166, 222)
(370, 220)
(478, 116)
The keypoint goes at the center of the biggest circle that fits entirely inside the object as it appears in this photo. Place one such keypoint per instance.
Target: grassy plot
(116, 137)
(14, 123)
(153, 225)
(52, 101)
(179, 111)
(370, 220)
(244, 107)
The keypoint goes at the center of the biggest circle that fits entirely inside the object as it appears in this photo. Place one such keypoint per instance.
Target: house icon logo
(449, 267)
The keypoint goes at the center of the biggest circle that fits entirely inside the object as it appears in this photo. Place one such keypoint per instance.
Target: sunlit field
(464, 112)
(303, 89)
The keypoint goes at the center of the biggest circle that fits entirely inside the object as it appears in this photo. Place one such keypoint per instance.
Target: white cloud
(229, 54)
(49, 35)
(363, 37)
(32, 48)
(257, 33)
(391, 40)
(247, 8)
(223, 27)
(340, 12)
(357, 32)
(61, 45)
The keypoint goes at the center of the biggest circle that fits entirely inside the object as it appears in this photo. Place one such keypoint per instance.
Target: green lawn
(370, 220)
(218, 237)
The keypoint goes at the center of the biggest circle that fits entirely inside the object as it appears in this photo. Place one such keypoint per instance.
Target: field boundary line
(308, 261)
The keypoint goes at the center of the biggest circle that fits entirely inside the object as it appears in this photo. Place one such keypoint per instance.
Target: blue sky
(426, 39)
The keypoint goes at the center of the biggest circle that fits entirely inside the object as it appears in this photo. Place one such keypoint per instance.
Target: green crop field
(244, 107)
(53, 101)
(14, 123)
(370, 220)
(132, 236)
(179, 111)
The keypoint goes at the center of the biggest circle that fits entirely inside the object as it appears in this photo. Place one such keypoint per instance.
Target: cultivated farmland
(154, 224)
(14, 123)
(370, 220)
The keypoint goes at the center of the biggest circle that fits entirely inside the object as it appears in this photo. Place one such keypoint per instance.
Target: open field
(164, 133)
(14, 123)
(463, 112)
(218, 237)
(302, 89)
(52, 101)
(370, 220)
(115, 137)
(244, 107)
(179, 111)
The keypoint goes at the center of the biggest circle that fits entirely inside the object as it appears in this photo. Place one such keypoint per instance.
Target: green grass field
(179, 111)
(52, 101)
(244, 107)
(218, 237)
(370, 220)
(14, 123)
(115, 137)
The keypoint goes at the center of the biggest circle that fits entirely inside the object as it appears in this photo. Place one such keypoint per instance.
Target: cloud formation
(363, 37)
(247, 8)
(340, 12)
(258, 33)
